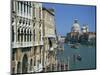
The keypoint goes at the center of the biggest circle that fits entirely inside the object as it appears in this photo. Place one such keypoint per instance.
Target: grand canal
(69, 56)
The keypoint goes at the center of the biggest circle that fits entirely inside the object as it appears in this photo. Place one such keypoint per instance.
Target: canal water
(87, 56)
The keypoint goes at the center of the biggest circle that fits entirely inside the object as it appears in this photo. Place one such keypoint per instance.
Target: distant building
(85, 29)
(73, 37)
(75, 26)
(61, 39)
(84, 37)
(88, 38)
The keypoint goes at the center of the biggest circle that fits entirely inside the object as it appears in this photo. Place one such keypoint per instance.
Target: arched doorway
(25, 64)
(31, 65)
(18, 67)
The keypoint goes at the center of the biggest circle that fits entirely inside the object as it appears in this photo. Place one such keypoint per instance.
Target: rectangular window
(12, 3)
(21, 7)
(27, 8)
(24, 8)
(18, 5)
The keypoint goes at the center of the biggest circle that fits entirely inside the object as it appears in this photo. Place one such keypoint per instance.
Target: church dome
(75, 26)
(85, 28)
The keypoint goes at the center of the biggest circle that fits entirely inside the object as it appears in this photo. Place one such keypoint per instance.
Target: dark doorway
(24, 64)
(18, 67)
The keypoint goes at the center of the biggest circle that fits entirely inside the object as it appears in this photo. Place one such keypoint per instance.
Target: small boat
(79, 57)
(76, 57)
(75, 46)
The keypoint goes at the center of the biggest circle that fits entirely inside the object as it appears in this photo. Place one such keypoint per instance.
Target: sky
(66, 13)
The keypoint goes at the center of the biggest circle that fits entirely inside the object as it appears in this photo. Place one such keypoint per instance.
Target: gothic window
(20, 21)
(12, 33)
(18, 34)
(30, 35)
(50, 42)
(23, 21)
(25, 35)
(26, 22)
(21, 35)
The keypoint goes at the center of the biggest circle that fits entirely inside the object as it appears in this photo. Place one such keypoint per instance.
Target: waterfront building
(88, 38)
(27, 43)
(61, 39)
(49, 37)
(73, 37)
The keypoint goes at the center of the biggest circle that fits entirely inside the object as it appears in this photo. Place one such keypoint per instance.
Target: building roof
(51, 10)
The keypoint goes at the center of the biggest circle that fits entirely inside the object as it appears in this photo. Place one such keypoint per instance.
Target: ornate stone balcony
(21, 44)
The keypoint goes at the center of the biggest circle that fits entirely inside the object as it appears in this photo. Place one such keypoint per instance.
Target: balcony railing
(25, 44)
(21, 44)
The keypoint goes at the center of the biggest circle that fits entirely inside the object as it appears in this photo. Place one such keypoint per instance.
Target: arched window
(20, 20)
(18, 34)
(50, 42)
(30, 35)
(21, 35)
(12, 33)
(25, 35)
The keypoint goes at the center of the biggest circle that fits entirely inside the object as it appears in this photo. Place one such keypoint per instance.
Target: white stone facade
(49, 36)
(27, 33)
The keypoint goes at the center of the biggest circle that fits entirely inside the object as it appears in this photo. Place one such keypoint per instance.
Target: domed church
(75, 26)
